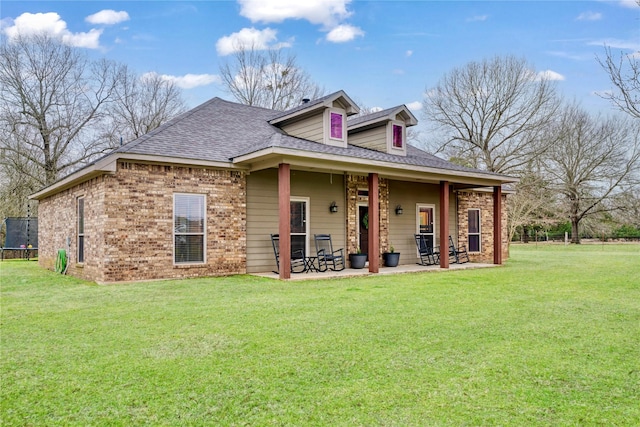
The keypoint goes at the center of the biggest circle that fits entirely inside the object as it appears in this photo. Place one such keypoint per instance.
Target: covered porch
(374, 209)
(390, 271)
(278, 182)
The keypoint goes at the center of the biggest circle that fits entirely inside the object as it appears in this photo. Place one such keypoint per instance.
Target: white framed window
(473, 230)
(426, 223)
(335, 127)
(299, 207)
(80, 226)
(189, 228)
(396, 138)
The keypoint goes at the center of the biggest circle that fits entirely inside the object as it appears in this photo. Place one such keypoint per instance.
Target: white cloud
(50, 23)
(628, 3)
(549, 75)
(408, 53)
(589, 16)
(414, 106)
(249, 37)
(375, 109)
(478, 18)
(188, 81)
(617, 44)
(330, 14)
(568, 55)
(325, 12)
(344, 33)
(90, 40)
(107, 17)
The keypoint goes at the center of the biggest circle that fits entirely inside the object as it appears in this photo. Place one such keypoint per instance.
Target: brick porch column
(497, 224)
(374, 224)
(444, 224)
(284, 213)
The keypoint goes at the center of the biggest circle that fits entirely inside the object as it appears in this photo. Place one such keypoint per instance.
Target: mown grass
(551, 338)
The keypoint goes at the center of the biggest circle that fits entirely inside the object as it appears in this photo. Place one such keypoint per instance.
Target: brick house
(201, 194)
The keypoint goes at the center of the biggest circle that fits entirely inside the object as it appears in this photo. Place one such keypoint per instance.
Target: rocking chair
(298, 264)
(327, 257)
(458, 255)
(428, 256)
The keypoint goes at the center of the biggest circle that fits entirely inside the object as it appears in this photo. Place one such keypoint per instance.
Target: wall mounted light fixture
(399, 210)
(333, 208)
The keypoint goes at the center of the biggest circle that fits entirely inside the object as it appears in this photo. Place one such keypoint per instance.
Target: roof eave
(271, 156)
(108, 165)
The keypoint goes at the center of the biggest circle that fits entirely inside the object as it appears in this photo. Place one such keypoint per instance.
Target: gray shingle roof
(352, 121)
(220, 130)
(215, 131)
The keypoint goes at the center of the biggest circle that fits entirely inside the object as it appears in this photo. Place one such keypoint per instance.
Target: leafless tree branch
(268, 79)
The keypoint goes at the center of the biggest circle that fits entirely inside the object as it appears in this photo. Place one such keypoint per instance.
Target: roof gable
(316, 106)
(382, 117)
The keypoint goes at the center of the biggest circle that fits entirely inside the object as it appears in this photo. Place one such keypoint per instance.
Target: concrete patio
(401, 269)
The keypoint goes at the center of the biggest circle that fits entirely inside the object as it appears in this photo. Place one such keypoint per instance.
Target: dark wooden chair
(327, 257)
(428, 255)
(298, 262)
(458, 255)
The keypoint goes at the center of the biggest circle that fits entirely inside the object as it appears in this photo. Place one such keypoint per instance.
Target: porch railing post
(374, 224)
(284, 214)
(444, 224)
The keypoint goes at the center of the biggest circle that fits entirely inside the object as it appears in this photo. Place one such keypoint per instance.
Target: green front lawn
(551, 338)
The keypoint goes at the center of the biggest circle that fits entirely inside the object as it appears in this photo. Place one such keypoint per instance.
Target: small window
(474, 230)
(189, 228)
(80, 247)
(398, 140)
(336, 126)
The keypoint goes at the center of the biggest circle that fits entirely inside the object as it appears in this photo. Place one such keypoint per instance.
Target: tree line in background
(574, 167)
(60, 111)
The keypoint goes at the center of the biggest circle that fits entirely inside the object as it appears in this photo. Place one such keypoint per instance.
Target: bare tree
(50, 98)
(493, 113)
(624, 73)
(268, 79)
(594, 163)
(141, 104)
(532, 203)
(16, 185)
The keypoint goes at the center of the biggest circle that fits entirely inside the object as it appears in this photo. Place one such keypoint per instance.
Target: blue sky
(382, 53)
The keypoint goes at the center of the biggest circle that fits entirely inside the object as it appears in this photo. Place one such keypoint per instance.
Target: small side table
(310, 264)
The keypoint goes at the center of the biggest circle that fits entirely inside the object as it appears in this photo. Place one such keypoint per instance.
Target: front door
(425, 223)
(363, 228)
(299, 224)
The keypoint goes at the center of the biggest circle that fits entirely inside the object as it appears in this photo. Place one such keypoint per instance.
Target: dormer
(322, 120)
(384, 131)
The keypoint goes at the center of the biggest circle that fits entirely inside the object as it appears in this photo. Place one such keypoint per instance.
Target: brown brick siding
(129, 220)
(483, 201)
(355, 182)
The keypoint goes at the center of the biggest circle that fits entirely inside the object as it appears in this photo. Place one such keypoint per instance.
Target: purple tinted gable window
(336, 125)
(397, 136)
